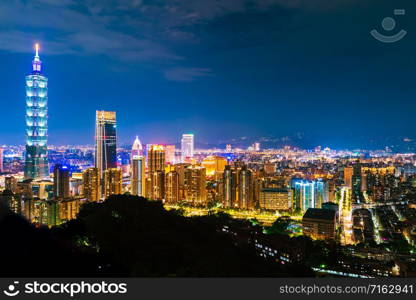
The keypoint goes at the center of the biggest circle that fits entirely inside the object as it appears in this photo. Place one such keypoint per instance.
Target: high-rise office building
(245, 188)
(229, 183)
(356, 178)
(137, 149)
(11, 200)
(320, 223)
(138, 176)
(113, 182)
(276, 199)
(157, 185)
(148, 186)
(321, 192)
(156, 158)
(75, 186)
(1, 160)
(105, 141)
(91, 184)
(187, 146)
(348, 176)
(195, 185)
(11, 184)
(50, 215)
(309, 194)
(170, 154)
(42, 189)
(172, 187)
(25, 188)
(61, 177)
(269, 168)
(68, 209)
(238, 186)
(180, 169)
(214, 164)
(36, 157)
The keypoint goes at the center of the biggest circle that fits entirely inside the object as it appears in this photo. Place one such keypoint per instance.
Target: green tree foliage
(137, 237)
(33, 251)
(279, 226)
(130, 236)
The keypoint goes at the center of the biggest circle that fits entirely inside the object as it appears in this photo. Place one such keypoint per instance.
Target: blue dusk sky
(222, 69)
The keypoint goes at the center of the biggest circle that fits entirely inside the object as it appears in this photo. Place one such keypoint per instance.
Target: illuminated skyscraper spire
(37, 51)
(36, 161)
(37, 63)
(137, 148)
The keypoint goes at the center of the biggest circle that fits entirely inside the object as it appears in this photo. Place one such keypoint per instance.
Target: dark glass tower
(61, 176)
(357, 195)
(36, 160)
(105, 141)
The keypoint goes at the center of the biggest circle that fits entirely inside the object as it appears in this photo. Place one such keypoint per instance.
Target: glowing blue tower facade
(36, 161)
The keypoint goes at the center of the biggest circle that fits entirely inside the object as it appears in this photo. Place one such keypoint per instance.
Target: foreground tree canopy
(131, 236)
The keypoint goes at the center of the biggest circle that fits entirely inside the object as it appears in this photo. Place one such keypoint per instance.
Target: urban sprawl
(364, 202)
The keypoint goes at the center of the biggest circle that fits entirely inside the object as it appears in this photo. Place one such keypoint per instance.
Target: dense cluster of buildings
(350, 197)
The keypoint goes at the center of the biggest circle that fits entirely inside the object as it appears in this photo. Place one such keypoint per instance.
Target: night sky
(221, 69)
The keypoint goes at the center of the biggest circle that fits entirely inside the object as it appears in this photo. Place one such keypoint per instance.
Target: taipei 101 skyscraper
(36, 162)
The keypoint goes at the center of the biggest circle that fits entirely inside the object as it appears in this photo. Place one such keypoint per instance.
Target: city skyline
(208, 139)
(358, 201)
(240, 142)
(279, 73)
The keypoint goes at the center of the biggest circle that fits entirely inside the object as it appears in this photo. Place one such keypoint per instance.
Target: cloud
(186, 74)
(57, 2)
(22, 42)
(121, 46)
(133, 31)
(69, 27)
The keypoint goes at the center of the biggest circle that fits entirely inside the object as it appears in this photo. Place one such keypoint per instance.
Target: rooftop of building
(275, 190)
(319, 214)
(329, 204)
